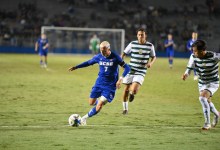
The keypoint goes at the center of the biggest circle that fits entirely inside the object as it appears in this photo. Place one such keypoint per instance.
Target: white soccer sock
(213, 109)
(85, 116)
(125, 105)
(206, 108)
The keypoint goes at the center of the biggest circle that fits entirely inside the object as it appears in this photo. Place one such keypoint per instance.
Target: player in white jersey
(206, 65)
(141, 51)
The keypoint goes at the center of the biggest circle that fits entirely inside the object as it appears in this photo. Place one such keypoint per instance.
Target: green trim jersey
(206, 68)
(140, 55)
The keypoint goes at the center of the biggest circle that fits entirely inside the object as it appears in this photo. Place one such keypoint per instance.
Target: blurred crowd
(21, 27)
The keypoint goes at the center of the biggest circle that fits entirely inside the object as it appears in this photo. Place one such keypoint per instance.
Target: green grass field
(35, 104)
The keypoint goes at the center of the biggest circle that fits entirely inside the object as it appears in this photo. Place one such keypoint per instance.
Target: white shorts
(211, 87)
(129, 79)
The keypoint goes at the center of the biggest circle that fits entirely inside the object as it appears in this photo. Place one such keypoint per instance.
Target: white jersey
(140, 55)
(206, 68)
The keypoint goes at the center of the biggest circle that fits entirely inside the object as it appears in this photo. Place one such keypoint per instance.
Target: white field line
(107, 126)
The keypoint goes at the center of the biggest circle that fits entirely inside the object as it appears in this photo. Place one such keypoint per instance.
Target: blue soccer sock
(92, 112)
(170, 61)
(96, 102)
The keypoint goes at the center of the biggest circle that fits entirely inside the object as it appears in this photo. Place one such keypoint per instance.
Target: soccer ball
(74, 120)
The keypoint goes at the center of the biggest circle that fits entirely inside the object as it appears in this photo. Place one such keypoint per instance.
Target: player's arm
(166, 44)
(46, 46)
(189, 68)
(126, 71)
(82, 65)
(188, 46)
(123, 55)
(217, 56)
(126, 51)
(153, 58)
(36, 46)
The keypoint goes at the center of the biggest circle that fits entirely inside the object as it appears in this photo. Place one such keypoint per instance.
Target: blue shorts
(98, 92)
(170, 53)
(43, 53)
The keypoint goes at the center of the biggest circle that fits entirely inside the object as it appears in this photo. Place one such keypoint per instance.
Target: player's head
(170, 36)
(43, 36)
(105, 48)
(141, 35)
(199, 48)
(194, 35)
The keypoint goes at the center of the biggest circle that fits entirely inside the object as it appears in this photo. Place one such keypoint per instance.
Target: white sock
(125, 105)
(213, 109)
(206, 108)
(85, 116)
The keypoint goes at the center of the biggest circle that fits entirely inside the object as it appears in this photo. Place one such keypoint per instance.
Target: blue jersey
(41, 43)
(189, 45)
(108, 70)
(171, 47)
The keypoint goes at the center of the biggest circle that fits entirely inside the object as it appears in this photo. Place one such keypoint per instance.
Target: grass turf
(35, 104)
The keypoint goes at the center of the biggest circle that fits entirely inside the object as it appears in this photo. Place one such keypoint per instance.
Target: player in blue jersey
(189, 48)
(42, 46)
(169, 46)
(107, 81)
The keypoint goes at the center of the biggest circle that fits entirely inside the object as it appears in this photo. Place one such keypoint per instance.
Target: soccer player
(206, 65)
(107, 81)
(169, 46)
(42, 46)
(94, 44)
(141, 51)
(189, 47)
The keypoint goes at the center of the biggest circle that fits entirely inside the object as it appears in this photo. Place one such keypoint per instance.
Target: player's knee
(134, 91)
(99, 107)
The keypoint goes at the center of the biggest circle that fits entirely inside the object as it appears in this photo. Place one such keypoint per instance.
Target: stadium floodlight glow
(78, 38)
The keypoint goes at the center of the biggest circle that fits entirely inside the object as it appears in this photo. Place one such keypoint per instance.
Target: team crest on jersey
(140, 51)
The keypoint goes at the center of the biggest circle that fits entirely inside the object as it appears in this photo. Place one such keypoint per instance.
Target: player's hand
(148, 65)
(118, 84)
(72, 68)
(184, 76)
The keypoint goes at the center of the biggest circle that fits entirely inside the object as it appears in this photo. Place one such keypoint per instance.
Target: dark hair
(141, 29)
(200, 44)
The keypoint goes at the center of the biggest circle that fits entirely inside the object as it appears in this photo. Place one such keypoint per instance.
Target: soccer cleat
(195, 78)
(125, 112)
(206, 126)
(82, 122)
(215, 121)
(131, 97)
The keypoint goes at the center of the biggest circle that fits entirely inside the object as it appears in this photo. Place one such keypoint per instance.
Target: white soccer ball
(74, 120)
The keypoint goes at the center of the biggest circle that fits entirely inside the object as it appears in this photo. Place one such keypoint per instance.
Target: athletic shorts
(170, 53)
(42, 53)
(129, 79)
(98, 92)
(211, 87)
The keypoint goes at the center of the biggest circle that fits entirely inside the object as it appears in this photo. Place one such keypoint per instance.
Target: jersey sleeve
(217, 56)
(190, 65)
(188, 46)
(128, 49)
(152, 52)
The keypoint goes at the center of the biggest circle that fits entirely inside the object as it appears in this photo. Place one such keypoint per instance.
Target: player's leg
(171, 59)
(204, 96)
(215, 112)
(125, 99)
(213, 87)
(45, 61)
(127, 82)
(41, 59)
(135, 86)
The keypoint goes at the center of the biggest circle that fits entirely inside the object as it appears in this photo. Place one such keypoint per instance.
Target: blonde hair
(105, 44)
